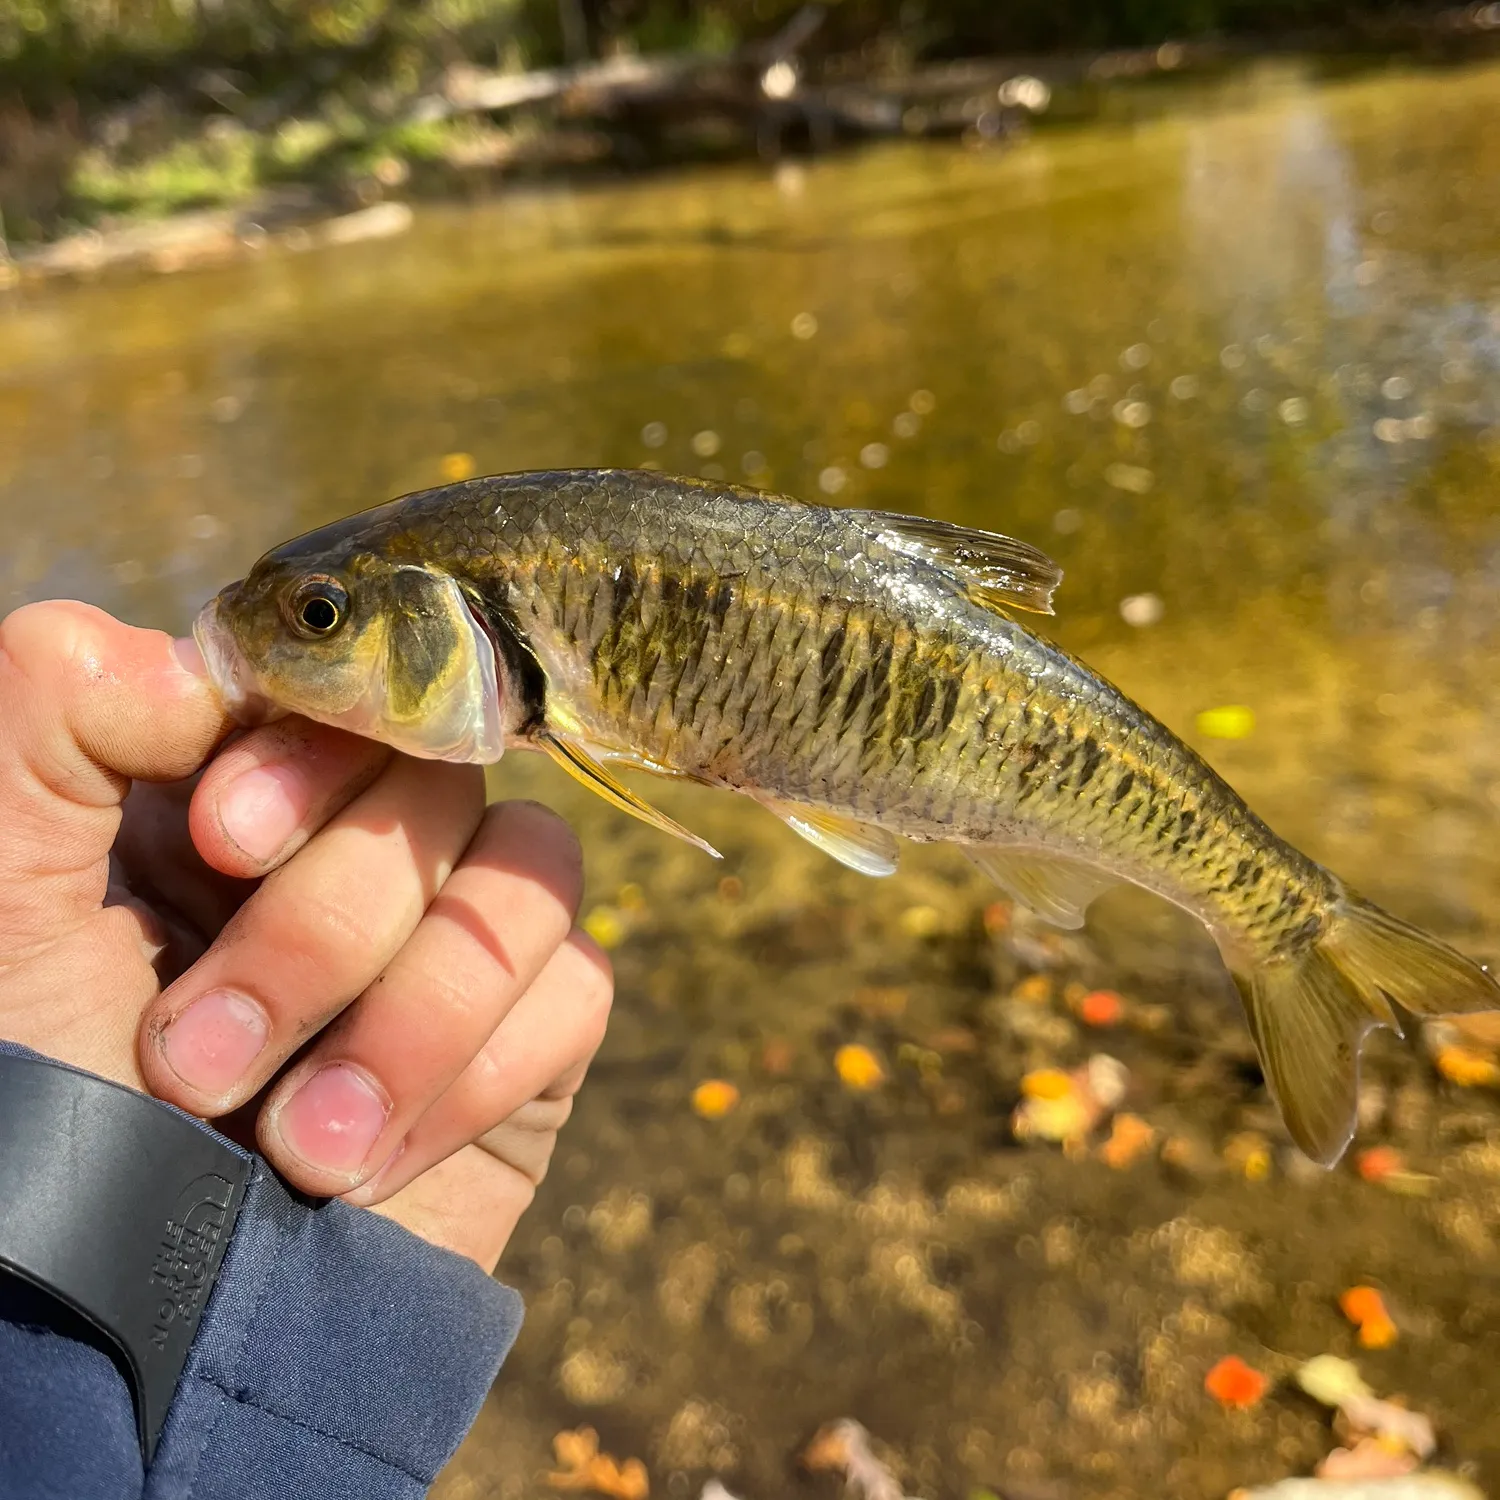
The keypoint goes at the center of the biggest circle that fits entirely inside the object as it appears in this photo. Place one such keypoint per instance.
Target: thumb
(86, 706)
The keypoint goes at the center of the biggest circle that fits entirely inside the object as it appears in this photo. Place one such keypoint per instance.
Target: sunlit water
(1236, 366)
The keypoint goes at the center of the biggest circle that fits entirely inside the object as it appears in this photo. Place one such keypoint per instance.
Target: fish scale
(860, 674)
(896, 675)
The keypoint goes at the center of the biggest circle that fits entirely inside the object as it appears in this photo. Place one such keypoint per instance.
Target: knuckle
(486, 1073)
(550, 844)
(54, 637)
(598, 1000)
(527, 1178)
(126, 935)
(455, 1003)
(540, 1164)
(566, 1085)
(592, 1000)
(131, 921)
(526, 1139)
(320, 929)
(597, 974)
(543, 1116)
(52, 655)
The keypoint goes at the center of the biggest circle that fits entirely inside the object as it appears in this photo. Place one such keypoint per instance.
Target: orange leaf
(1466, 1067)
(584, 1467)
(997, 918)
(1035, 989)
(1362, 1303)
(1378, 1163)
(1101, 1008)
(1232, 1382)
(1365, 1307)
(1129, 1138)
(714, 1098)
(1377, 1333)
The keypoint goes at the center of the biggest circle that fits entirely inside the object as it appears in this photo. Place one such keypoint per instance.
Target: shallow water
(1237, 366)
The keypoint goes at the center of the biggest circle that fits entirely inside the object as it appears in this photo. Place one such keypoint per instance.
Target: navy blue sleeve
(338, 1356)
(55, 1385)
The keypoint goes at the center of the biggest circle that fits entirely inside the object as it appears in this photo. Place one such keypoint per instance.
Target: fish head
(355, 636)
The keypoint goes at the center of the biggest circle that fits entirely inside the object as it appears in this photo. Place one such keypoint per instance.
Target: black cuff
(120, 1207)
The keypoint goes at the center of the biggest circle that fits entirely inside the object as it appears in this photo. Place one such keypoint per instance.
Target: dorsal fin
(997, 571)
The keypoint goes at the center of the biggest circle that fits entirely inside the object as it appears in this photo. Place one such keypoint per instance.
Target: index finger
(265, 794)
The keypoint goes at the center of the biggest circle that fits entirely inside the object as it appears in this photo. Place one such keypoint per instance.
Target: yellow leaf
(1047, 1083)
(714, 1098)
(858, 1067)
(606, 926)
(921, 921)
(1231, 721)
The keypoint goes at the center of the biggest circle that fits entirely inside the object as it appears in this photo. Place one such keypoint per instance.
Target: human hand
(345, 940)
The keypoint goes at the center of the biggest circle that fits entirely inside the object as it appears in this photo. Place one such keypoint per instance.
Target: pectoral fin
(1058, 890)
(996, 571)
(861, 846)
(582, 766)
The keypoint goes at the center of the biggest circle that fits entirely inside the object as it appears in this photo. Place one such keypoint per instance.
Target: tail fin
(1309, 1015)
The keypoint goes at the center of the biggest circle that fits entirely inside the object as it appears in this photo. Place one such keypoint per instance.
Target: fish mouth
(228, 670)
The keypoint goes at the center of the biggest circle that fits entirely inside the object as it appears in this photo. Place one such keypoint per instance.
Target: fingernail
(334, 1119)
(262, 809)
(189, 656)
(211, 1044)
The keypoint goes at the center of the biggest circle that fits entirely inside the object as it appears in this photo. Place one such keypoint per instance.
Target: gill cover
(435, 692)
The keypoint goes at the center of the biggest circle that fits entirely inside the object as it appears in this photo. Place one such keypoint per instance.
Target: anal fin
(861, 846)
(1058, 890)
(583, 767)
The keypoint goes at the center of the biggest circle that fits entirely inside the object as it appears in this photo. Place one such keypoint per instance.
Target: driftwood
(760, 96)
(767, 92)
(467, 89)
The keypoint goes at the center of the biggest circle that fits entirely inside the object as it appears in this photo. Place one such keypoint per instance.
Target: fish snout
(232, 676)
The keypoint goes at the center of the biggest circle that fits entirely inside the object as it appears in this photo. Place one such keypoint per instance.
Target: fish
(860, 674)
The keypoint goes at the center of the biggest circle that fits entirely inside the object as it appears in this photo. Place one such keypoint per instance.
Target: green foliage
(218, 167)
(49, 48)
(109, 49)
(225, 163)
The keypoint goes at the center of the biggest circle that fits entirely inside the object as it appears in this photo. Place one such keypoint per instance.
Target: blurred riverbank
(139, 134)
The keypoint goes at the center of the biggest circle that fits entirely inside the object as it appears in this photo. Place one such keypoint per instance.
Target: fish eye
(316, 608)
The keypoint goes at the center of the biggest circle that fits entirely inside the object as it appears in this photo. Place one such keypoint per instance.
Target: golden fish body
(854, 671)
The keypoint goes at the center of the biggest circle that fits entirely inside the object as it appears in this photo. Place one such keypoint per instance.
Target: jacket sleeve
(338, 1356)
